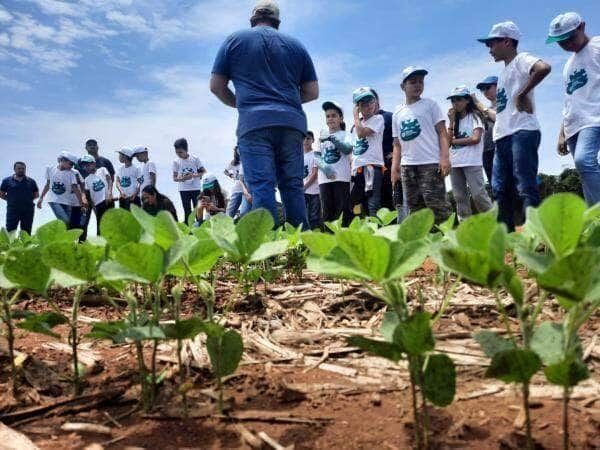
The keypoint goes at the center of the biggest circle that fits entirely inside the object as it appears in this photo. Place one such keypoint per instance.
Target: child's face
(308, 142)
(333, 119)
(123, 159)
(142, 157)
(367, 107)
(90, 168)
(459, 103)
(65, 164)
(499, 48)
(489, 92)
(413, 86)
(182, 153)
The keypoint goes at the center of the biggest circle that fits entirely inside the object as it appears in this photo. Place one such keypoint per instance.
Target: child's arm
(44, 192)
(119, 189)
(538, 72)
(312, 177)
(361, 132)
(109, 189)
(440, 128)
(80, 197)
(325, 168)
(396, 155)
(474, 139)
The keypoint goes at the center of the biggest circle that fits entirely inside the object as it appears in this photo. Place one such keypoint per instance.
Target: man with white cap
(580, 130)
(148, 168)
(273, 75)
(61, 185)
(516, 131)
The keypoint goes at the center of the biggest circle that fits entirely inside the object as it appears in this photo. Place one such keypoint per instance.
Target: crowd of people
(395, 160)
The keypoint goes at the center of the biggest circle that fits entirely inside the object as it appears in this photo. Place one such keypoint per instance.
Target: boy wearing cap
(488, 87)
(127, 180)
(61, 185)
(148, 168)
(516, 131)
(187, 172)
(421, 156)
(99, 185)
(580, 130)
(367, 154)
(311, 184)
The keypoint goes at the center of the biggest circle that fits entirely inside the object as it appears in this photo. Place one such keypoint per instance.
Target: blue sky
(130, 72)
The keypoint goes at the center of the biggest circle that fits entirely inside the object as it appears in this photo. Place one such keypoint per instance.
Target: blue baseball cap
(490, 79)
(459, 91)
(361, 93)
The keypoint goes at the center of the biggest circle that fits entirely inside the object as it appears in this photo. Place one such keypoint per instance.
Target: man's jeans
(585, 148)
(273, 157)
(516, 165)
(238, 201)
(20, 215)
(313, 209)
(62, 212)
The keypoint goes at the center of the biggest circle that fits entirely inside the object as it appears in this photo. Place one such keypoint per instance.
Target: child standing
(311, 184)
(367, 155)
(240, 199)
(335, 166)
(187, 171)
(421, 156)
(466, 154)
(127, 180)
(99, 185)
(148, 169)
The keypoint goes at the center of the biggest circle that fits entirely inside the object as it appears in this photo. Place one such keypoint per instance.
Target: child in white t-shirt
(239, 197)
(187, 172)
(367, 155)
(99, 184)
(128, 177)
(466, 153)
(421, 157)
(148, 169)
(311, 183)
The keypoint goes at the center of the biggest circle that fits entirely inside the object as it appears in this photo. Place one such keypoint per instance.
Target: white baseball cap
(126, 151)
(208, 181)
(140, 149)
(563, 26)
(502, 30)
(412, 70)
(459, 91)
(69, 156)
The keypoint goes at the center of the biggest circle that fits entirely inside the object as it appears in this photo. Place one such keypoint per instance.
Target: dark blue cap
(491, 79)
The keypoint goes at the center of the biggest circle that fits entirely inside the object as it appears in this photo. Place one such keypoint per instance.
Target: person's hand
(203, 203)
(523, 104)
(451, 114)
(395, 175)
(39, 204)
(248, 197)
(445, 167)
(355, 112)
(561, 146)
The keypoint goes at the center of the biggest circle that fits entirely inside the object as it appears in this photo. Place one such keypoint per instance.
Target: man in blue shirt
(19, 191)
(272, 74)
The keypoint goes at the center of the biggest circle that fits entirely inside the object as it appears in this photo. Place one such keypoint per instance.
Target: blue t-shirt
(267, 69)
(19, 193)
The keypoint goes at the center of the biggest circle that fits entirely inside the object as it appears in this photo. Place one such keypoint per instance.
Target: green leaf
(201, 257)
(336, 264)
(120, 227)
(469, 264)
(43, 323)
(386, 216)
(5, 283)
(268, 249)
(567, 373)
(388, 325)
(113, 272)
(558, 222)
(448, 224)
(76, 260)
(112, 331)
(416, 226)
(513, 284)
(406, 258)
(162, 229)
(25, 268)
(184, 329)
(415, 335)
(492, 343)
(535, 261)
(478, 231)
(179, 250)
(251, 231)
(144, 260)
(516, 365)
(56, 231)
(548, 341)
(387, 350)
(371, 254)
(439, 380)
(145, 333)
(319, 244)
(225, 352)
(390, 232)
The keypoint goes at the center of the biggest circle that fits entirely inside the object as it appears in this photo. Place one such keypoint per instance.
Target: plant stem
(220, 401)
(74, 340)
(419, 373)
(566, 398)
(504, 317)
(530, 445)
(11, 343)
(416, 415)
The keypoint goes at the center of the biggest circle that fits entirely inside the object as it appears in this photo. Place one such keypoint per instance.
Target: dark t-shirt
(19, 193)
(101, 161)
(388, 140)
(267, 69)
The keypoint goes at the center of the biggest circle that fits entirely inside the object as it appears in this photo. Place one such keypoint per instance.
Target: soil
(367, 406)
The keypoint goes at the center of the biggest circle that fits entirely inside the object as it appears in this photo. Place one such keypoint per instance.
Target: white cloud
(131, 22)
(55, 7)
(14, 84)
(5, 16)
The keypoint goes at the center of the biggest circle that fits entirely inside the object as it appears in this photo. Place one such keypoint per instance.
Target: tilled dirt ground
(299, 385)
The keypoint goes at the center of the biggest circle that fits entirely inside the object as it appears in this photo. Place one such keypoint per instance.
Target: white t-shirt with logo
(511, 81)
(80, 182)
(369, 150)
(236, 172)
(147, 168)
(414, 125)
(61, 185)
(191, 164)
(471, 155)
(128, 179)
(582, 89)
(97, 184)
(309, 164)
(339, 163)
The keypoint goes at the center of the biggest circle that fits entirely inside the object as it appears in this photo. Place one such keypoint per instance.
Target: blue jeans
(62, 212)
(313, 209)
(585, 148)
(238, 201)
(273, 157)
(516, 165)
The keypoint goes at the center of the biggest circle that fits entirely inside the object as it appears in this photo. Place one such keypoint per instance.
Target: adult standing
(273, 75)
(580, 130)
(91, 146)
(516, 131)
(19, 191)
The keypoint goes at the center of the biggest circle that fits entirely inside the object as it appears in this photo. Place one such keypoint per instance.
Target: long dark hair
(151, 190)
(236, 156)
(470, 109)
(215, 192)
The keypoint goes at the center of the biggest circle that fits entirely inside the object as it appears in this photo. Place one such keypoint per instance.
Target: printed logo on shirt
(141, 179)
(305, 171)
(332, 155)
(360, 147)
(501, 100)
(125, 182)
(97, 186)
(461, 135)
(186, 170)
(410, 129)
(577, 79)
(58, 188)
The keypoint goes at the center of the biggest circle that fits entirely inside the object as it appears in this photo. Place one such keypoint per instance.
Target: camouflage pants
(425, 188)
